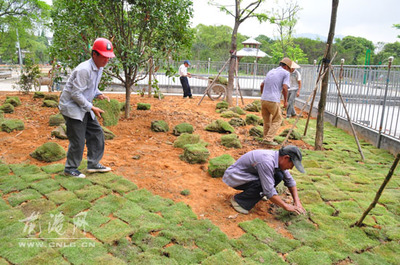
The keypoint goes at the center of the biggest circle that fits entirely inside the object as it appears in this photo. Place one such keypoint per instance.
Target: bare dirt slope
(158, 168)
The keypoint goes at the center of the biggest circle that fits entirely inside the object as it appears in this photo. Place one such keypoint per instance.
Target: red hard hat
(104, 47)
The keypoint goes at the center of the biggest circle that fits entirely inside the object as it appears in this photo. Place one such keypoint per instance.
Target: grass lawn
(47, 218)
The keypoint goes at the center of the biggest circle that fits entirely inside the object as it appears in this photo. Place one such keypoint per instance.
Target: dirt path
(159, 168)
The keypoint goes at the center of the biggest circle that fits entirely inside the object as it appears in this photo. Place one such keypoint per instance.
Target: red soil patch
(159, 168)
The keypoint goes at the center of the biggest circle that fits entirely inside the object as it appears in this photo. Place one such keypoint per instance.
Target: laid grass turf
(48, 218)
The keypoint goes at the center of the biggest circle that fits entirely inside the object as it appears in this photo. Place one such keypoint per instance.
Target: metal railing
(371, 95)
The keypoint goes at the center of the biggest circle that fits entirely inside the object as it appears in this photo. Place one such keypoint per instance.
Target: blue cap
(187, 61)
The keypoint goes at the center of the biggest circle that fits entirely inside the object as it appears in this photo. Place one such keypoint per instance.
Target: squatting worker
(184, 74)
(258, 172)
(276, 82)
(80, 114)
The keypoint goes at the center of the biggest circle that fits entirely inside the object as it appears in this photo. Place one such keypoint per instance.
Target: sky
(372, 20)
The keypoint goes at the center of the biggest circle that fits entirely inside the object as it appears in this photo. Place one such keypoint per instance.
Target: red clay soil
(159, 168)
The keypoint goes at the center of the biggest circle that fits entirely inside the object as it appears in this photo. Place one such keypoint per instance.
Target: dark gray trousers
(253, 192)
(79, 132)
(291, 99)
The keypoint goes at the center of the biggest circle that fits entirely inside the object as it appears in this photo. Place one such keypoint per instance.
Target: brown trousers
(271, 113)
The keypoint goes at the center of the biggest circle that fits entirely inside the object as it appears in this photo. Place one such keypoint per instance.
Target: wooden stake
(379, 193)
(347, 113)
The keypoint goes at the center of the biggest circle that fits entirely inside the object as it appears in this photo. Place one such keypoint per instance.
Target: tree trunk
(232, 62)
(127, 99)
(232, 65)
(319, 136)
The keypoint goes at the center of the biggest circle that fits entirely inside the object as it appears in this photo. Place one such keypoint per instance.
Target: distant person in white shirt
(184, 74)
(294, 89)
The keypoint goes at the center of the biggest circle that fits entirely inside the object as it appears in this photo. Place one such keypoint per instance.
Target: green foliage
(218, 165)
(157, 29)
(213, 42)
(353, 49)
(29, 74)
(49, 152)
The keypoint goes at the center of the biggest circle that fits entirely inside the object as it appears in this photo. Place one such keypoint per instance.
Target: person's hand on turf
(97, 111)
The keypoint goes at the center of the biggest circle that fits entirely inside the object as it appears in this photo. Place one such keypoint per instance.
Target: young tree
(242, 11)
(26, 16)
(319, 135)
(285, 18)
(212, 42)
(353, 49)
(139, 30)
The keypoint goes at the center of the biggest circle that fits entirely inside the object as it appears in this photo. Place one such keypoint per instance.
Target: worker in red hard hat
(80, 114)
